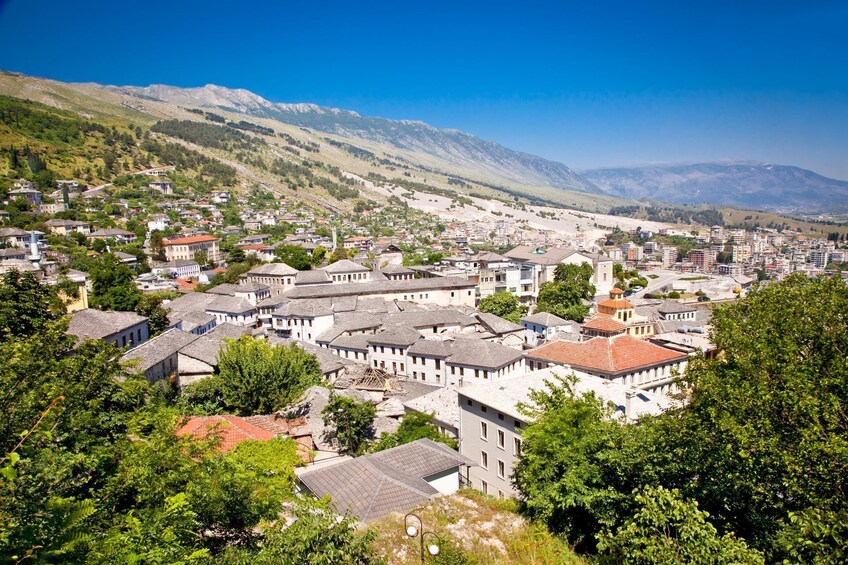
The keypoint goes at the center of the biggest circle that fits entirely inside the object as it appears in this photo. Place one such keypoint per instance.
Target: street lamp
(413, 530)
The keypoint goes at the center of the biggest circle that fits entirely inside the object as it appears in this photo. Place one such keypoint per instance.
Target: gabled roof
(497, 325)
(97, 324)
(545, 319)
(356, 341)
(273, 269)
(232, 429)
(398, 335)
(480, 353)
(607, 355)
(312, 277)
(307, 308)
(604, 324)
(379, 484)
(230, 305)
(189, 240)
(345, 266)
(674, 307)
(156, 350)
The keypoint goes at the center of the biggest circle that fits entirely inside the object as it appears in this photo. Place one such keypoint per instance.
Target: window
(484, 430)
(516, 446)
(123, 341)
(438, 363)
(501, 468)
(484, 459)
(484, 486)
(501, 439)
(500, 417)
(482, 408)
(468, 402)
(501, 495)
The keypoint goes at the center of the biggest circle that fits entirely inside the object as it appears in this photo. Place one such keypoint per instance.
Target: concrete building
(124, 329)
(184, 248)
(545, 260)
(490, 422)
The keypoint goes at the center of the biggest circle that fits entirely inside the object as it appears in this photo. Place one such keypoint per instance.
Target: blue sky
(586, 83)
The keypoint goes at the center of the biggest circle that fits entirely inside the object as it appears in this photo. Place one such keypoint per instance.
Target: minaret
(34, 253)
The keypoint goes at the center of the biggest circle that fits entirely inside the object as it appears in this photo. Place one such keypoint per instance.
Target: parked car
(703, 299)
(636, 288)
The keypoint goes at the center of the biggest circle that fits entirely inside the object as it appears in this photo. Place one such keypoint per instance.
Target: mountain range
(740, 184)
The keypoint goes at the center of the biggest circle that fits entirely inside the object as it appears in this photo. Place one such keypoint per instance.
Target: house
(346, 271)
(118, 235)
(622, 359)
(397, 273)
(14, 237)
(278, 276)
(185, 248)
(442, 291)
(158, 358)
(28, 193)
(389, 481)
(671, 310)
(617, 308)
(180, 268)
(199, 358)
(306, 278)
(500, 330)
(66, 227)
(490, 420)
(543, 262)
(124, 329)
(164, 187)
(544, 326)
(303, 320)
(159, 222)
(52, 208)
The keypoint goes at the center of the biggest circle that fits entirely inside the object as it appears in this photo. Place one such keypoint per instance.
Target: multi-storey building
(185, 248)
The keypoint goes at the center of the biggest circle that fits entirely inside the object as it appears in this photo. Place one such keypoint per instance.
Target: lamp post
(413, 530)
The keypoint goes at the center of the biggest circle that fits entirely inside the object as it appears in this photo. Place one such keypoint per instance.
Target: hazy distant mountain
(453, 146)
(740, 184)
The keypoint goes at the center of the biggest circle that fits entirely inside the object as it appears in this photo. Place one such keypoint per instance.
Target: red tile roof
(191, 239)
(604, 324)
(233, 430)
(608, 355)
(615, 303)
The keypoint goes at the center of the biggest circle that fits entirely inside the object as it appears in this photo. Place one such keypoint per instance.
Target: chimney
(628, 398)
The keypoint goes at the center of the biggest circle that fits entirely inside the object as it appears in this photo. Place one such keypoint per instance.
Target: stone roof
(498, 325)
(356, 341)
(381, 483)
(224, 288)
(479, 353)
(97, 324)
(545, 319)
(312, 277)
(607, 355)
(431, 348)
(396, 270)
(380, 287)
(428, 318)
(397, 335)
(307, 308)
(244, 288)
(345, 266)
(230, 305)
(158, 349)
(206, 347)
(443, 404)
(674, 307)
(506, 394)
(273, 269)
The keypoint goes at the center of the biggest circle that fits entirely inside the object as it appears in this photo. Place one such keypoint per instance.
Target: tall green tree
(294, 256)
(564, 295)
(351, 421)
(150, 306)
(258, 378)
(669, 530)
(112, 286)
(505, 305)
(26, 305)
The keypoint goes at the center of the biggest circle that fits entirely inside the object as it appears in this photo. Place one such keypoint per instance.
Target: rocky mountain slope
(740, 184)
(452, 146)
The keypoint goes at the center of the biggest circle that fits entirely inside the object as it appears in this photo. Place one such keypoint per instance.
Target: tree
(258, 378)
(295, 256)
(26, 305)
(350, 419)
(414, 426)
(564, 295)
(201, 257)
(112, 285)
(150, 306)
(338, 254)
(505, 305)
(157, 245)
(669, 530)
(318, 255)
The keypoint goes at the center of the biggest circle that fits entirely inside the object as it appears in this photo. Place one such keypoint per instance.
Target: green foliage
(414, 426)
(564, 295)
(150, 306)
(505, 305)
(338, 254)
(667, 529)
(295, 256)
(112, 286)
(351, 421)
(26, 305)
(258, 378)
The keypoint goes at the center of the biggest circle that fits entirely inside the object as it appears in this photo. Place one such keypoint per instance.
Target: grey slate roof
(230, 305)
(674, 307)
(308, 308)
(97, 324)
(345, 266)
(312, 277)
(376, 485)
(431, 348)
(442, 403)
(479, 353)
(250, 287)
(273, 269)
(498, 325)
(427, 318)
(380, 287)
(398, 335)
(158, 349)
(356, 341)
(206, 347)
(225, 288)
(545, 319)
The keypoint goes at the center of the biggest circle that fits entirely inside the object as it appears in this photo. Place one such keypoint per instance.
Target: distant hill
(739, 184)
(452, 146)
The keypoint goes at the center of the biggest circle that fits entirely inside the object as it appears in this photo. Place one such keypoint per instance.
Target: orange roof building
(622, 359)
(601, 326)
(232, 429)
(616, 308)
(185, 248)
